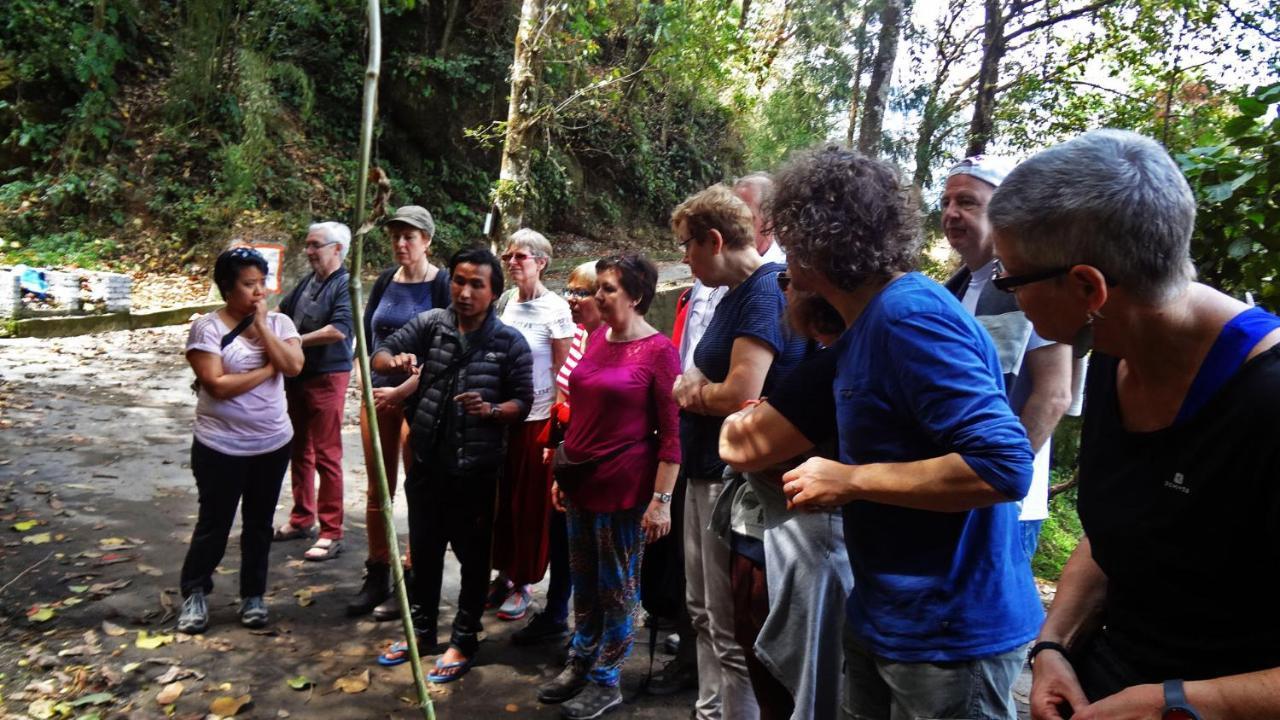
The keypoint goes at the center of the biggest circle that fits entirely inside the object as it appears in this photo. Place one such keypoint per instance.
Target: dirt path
(96, 508)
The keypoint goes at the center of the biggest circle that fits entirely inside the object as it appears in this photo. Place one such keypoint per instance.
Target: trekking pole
(362, 352)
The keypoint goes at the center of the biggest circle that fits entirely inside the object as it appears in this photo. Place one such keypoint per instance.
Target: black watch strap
(1046, 645)
(1176, 706)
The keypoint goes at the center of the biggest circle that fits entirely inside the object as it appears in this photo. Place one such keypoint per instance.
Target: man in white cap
(1037, 372)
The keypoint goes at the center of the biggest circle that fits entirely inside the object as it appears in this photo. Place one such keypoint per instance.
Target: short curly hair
(637, 274)
(849, 216)
(716, 208)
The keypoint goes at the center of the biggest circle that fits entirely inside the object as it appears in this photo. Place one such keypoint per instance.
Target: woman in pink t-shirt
(240, 354)
(625, 425)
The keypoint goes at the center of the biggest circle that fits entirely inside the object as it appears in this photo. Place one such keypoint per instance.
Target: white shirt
(541, 320)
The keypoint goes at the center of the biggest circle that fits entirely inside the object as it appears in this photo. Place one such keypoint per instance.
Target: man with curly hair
(931, 456)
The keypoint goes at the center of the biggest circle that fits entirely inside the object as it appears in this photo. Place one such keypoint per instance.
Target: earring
(1082, 343)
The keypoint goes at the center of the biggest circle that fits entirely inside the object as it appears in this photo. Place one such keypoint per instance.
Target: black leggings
(223, 481)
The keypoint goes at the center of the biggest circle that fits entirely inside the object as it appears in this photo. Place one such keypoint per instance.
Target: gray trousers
(877, 688)
(724, 689)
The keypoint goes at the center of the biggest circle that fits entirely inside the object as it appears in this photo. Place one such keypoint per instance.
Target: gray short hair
(1111, 199)
(532, 239)
(760, 183)
(334, 232)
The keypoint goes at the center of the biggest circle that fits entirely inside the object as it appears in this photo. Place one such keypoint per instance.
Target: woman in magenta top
(625, 421)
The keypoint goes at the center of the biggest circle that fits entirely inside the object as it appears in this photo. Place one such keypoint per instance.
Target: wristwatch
(662, 497)
(495, 411)
(1176, 706)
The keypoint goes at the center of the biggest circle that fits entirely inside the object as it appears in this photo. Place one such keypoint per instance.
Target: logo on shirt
(491, 357)
(1178, 484)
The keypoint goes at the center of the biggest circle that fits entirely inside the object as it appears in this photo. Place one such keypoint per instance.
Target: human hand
(687, 390)
(402, 363)
(656, 521)
(1140, 702)
(1053, 684)
(557, 496)
(472, 403)
(385, 398)
(260, 312)
(818, 484)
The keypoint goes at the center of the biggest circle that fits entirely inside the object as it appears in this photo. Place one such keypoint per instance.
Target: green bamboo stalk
(362, 352)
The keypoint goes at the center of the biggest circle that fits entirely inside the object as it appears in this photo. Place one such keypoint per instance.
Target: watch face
(1178, 713)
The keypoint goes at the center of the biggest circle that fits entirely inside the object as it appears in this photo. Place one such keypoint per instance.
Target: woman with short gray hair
(1178, 456)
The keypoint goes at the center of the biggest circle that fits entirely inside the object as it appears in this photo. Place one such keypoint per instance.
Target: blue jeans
(877, 688)
(1030, 530)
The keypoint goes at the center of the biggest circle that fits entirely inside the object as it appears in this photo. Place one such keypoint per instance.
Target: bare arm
(223, 385)
(559, 353)
(326, 335)
(941, 484)
(1075, 612)
(748, 365)
(759, 437)
(1050, 373)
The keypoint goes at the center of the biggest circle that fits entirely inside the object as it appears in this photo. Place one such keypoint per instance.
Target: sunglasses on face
(517, 256)
(1010, 283)
(784, 281)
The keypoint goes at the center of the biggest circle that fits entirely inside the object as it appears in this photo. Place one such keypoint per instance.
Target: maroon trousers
(750, 608)
(521, 535)
(315, 408)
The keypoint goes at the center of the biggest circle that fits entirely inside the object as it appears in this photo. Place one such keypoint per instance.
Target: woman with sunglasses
(1162, 611)
(521, 533)
(402, 292)
(241, 354)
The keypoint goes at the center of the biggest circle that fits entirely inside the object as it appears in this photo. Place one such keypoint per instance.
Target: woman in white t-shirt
(520, 534)
(240, 354)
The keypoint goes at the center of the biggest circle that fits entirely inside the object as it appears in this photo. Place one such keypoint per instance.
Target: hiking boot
(253, 612)
(376, 588)
(542, 628)
(676, 675)
(516, 605)
(566, 685)
(194, 618)
(595, 700)
(389, 609)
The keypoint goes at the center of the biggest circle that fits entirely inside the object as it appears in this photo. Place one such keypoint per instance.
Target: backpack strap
(235, 331)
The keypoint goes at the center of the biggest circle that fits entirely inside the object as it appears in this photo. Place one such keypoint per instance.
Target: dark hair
(480, 256)
(811, 315)
(638, 274)
(846, 215)
(226, 269)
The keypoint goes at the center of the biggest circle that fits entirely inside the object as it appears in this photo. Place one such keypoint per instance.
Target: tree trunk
(984, 108)
(860, 45)
(513, 179)
(869, 136)
(450, 20)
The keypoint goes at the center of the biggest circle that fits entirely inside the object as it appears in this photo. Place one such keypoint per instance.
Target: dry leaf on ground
(352, 683)
(169, 694)
(229, 706)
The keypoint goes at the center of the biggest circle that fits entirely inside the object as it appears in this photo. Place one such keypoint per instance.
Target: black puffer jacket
(500, 369)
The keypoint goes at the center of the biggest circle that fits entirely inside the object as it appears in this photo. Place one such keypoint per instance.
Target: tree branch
(1055, 19)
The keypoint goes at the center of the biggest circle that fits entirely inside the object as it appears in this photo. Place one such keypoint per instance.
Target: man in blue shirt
(931, 456)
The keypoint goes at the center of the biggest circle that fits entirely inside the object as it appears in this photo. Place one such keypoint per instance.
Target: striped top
(576, 348)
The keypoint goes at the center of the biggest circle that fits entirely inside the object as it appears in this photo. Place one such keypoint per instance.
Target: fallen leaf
(112, 629)
(177, 672)
(130, 667)
(41, 709)
(111, 542)
(38, 538)
(169, 694)
(77, 588)
(352, 683)
(94, 699)
(113, 558)
(40, 614)
(225, 571)
(512, 707)
(147, 641)
(149, 570)
(302, 682)
(25, 525)
(229, 706)
(72, 601)
(107, 588)
(304, 597)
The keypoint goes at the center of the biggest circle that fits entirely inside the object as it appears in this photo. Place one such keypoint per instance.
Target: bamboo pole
(362, 352)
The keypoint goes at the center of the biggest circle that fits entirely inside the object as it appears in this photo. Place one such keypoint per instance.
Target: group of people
(851, 458)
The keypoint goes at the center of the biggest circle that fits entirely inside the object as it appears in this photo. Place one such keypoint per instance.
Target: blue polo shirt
(918, 378)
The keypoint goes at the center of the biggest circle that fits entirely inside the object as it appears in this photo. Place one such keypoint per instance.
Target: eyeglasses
(574, 294)
(317, 246)
(1010, 283)
(784, 281)
(517, 256)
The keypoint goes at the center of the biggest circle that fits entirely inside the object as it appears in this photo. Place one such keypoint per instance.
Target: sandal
(461, 667)
(324, 549)
(289, 532)
(396, 654)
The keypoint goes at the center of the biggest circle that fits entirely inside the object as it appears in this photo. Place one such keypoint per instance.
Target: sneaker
(676, 675)
(253, 612)
(595, 700)
(516, 604)
(194, 618)
(566, 685)
(541, 628)
(499, 589)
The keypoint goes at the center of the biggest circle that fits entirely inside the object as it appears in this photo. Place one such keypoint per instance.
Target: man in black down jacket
(475, 379)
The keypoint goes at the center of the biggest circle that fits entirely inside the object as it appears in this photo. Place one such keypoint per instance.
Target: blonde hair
(716, 208)
(585, 272)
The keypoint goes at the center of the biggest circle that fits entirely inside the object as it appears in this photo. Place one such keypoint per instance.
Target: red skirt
(520, 532)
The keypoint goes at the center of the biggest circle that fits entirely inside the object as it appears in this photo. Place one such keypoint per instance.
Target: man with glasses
(1037, 372)
(320, 306)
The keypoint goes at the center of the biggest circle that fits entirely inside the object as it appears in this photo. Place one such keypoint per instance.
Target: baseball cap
(991, 169)
(416, 216)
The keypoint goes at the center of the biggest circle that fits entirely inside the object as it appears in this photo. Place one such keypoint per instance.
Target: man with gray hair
(1037, 372)
(320, 306)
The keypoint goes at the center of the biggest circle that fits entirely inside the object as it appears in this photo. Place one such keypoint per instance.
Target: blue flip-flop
(462, 667)
(395, 655)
